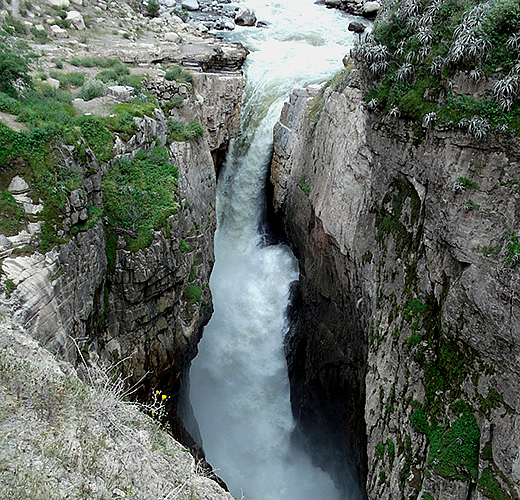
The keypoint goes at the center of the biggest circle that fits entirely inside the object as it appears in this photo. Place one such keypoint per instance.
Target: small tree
(15, 64)
(152, 8)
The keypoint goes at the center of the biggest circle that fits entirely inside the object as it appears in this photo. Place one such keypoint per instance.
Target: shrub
(139, 195)
(92, 89)
(73, 79)
(179, 132)
(180, 75)
(15, 64)
(97, 136)
(95, 62)
(11, 214)
(152, 8)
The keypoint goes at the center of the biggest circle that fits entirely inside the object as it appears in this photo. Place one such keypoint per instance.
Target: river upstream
(239, 387)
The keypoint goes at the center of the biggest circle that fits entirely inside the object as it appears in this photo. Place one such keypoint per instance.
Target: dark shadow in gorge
(326, 352)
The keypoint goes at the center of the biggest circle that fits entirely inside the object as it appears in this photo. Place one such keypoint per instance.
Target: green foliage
(175, 102)
(139, 195)
(93, 88)
(179, 132)
(454, 450)
(14, 26)
(316, 107)
(513, 251)
(490, 487)
(11, 214)
(73, 79)
(501, 22)
(9, 287)
(95, 62)
(193, 293)
(419, 48)
(304, 186)
(184, 247)
(15, 63)
(97, 136)
(180, 75)
(152, 8)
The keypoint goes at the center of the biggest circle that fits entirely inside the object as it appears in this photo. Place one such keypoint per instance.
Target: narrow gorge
(337, 317)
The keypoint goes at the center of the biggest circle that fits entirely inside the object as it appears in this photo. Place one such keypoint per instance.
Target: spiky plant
(405, 73)
(478, 127)
(436, 65)
(476, 75)
(513, 42)
(429, 119)
(506, 90)
(373, 104)
(394, 112)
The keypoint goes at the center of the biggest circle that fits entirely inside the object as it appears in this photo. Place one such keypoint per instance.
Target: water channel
(239, 387)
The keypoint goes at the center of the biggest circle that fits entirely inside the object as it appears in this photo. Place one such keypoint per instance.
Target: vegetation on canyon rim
(48, 117)
(420, 51)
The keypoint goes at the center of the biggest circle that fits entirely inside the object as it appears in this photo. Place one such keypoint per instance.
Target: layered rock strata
(407, 347)
(142, 312)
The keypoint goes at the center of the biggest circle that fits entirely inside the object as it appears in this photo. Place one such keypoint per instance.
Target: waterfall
(239, 387)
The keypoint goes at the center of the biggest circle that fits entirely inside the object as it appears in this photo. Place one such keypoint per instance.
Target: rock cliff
(143, 310)
(405, 348)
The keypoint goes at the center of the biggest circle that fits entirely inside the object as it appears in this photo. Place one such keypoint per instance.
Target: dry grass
(62, 438)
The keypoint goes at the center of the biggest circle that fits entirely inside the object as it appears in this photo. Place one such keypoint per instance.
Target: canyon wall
(405, 346)
(141, 312)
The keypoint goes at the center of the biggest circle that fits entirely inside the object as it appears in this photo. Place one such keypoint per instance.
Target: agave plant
(399, 52)
(478, 127)
(409, 8)
(411, 56)
(513, 42)
(394, 112)
(405, 73)
(373, 104)
(463, 123)
(476, 75)
(458, 185)
(424, 52)
(506, 90)
(437, 65)
(429, 119)
(425, 35)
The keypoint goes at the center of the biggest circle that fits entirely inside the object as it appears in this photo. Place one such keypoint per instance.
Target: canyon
(402, 343)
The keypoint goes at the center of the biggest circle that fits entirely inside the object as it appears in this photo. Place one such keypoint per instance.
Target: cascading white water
(239, 382)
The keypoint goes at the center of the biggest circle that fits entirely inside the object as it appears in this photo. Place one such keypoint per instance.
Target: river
(239, 387)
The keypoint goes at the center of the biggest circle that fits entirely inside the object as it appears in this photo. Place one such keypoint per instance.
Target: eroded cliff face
(141, 311)
(407, 346)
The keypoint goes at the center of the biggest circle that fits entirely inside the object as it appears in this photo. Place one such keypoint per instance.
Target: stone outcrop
(142, 311)
(407, 346)
(62, 437)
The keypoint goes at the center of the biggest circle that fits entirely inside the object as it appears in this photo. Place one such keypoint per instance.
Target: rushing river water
(239, 383)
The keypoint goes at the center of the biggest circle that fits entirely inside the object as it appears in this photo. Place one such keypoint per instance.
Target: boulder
(333, 3)
(59, 3)
(229, 25)
(172, 37)
(370, 9)
(190, 5)
(55, 84)
(39, 27)
(18, 185)
(123, 93)
(75, 19)
(245, 17)
(59, 32)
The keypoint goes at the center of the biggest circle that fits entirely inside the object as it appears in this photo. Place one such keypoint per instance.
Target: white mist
(239, 387)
